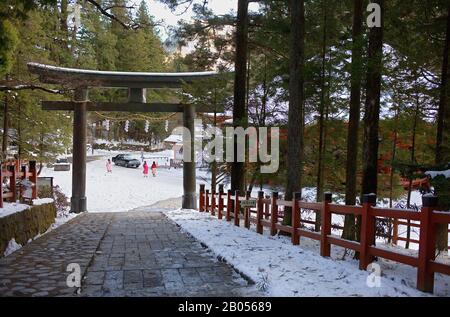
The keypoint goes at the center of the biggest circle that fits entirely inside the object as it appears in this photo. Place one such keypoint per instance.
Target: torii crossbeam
(136, 83)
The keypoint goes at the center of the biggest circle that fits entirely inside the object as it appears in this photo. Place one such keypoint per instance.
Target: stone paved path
(120, 254)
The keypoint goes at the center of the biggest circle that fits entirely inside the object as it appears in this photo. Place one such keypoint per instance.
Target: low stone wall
(26, 224)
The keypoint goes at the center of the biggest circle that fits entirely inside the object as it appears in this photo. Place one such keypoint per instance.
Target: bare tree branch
(426, 74)
(105, 12)
(15, 86)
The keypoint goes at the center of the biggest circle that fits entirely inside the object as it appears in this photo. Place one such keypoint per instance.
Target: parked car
(62, 164)
(126, 160)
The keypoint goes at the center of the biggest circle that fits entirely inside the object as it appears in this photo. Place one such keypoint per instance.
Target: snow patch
(434, 174)
(42, 201)
(12, 208)
(12, 247)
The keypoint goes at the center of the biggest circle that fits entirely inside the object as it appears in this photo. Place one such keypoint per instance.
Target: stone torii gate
(136, 83)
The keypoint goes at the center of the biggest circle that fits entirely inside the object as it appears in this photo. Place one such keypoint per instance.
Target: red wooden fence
(267, 215)
(395, 236)
(14, 170)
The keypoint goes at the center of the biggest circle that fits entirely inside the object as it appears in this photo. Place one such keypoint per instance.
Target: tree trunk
(413, 161)
(319, 180)
(296, 99)
(394, 154)
(214, 163)
(372, 107)
(63, 19)
(262, 117)
(443, 139)
(239, 109)
(393, 225)
(5, 125)
(19, 132)
(372, 112)
(353, 126)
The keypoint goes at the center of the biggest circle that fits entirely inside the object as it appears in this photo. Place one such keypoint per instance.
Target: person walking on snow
(109, 166)
(154, 169)
(145, 169)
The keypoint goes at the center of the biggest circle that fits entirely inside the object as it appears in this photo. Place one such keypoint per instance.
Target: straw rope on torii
(135, 117)
(136, 83)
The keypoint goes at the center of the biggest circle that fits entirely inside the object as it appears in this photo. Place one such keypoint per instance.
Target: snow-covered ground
(122, 190)
(286, 270)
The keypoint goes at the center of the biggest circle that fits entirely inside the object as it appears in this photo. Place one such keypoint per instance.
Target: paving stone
(133, 277)
(152, 278)
(95, 278)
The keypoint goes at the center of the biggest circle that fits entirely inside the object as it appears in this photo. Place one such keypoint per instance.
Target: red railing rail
(14, 171)
(267, 215)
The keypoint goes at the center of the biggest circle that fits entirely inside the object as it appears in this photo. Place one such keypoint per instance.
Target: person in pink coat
(109, 166)
(154, 169)
(145, 169)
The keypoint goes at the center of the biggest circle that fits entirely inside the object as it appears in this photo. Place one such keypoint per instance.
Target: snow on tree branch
(9, 86)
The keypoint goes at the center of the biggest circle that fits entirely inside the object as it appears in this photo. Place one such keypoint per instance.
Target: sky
(162, 13)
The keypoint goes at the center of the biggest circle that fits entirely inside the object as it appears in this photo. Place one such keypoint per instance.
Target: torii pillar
(189, 196)
(78, 201)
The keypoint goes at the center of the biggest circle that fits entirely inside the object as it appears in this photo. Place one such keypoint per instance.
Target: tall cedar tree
(353, 124)
(443, 138)
(296, 100)
(372, 107)
(239, 109)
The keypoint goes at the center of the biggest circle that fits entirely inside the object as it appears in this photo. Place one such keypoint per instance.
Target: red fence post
(213, 201)
(367, 231)
(229, 206)
(274, 214)
(12, 182)
(247, 211)
(220, 208)
(207, 200)
(427, 244)
(33, 178)
(259, 212)
(1, 187)
(325, 247)
(237, 208)
(295, 238)
(201, 203)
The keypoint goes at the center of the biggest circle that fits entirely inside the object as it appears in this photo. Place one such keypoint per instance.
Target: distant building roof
(174, 138)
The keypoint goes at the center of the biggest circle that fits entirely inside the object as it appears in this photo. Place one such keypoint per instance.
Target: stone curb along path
(137, 253)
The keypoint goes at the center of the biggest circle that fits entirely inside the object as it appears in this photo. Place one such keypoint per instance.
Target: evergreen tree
(296, 100)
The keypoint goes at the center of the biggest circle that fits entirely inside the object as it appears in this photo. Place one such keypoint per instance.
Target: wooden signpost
(249, 203)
